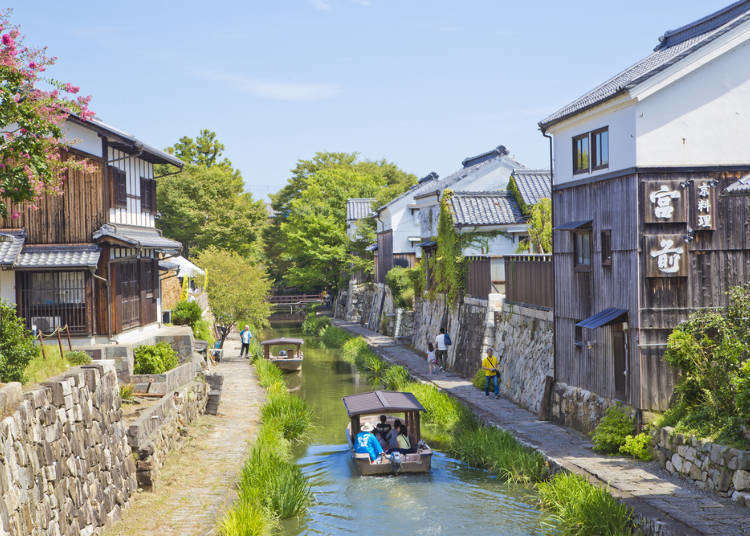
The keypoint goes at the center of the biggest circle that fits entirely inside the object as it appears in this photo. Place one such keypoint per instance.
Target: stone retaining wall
(523, 340)
(578, 408)
(709, 466)
(157, 430)
(161, 384)
(65, 464)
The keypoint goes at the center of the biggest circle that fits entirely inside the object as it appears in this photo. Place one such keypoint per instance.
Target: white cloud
(273, 90)
(320, 5)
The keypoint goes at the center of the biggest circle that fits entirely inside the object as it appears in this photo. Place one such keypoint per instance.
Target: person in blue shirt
(366, 442)
(245, 337)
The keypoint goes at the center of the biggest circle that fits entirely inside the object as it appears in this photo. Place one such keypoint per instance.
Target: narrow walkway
(678, 508)
(197, 481)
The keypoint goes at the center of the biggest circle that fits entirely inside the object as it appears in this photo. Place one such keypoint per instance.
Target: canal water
(453, 499)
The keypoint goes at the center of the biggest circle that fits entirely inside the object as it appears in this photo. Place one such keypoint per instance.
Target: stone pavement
(197, 481)
(666, 504)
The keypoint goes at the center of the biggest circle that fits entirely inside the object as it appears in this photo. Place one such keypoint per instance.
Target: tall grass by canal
(271, 486)
(579, 507)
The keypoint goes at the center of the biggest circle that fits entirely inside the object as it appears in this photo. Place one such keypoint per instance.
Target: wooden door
(128, 294)
(619, 338)
(147, 292)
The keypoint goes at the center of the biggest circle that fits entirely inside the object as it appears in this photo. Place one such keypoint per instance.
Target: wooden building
(645, 231)
(88, 259)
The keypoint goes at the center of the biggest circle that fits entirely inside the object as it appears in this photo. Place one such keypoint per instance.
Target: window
(606, 237)
(118, 188)
(591, 151)
(578, 336)
(581, 154)
(600, 148)
(148, 195)
(582, 250)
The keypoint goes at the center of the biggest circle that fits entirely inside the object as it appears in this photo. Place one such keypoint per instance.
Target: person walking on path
(442, 341)
(431, 359)
(491, 373)
(245, 337)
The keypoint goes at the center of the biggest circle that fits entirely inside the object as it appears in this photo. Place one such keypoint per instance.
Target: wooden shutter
(148, 195)
(152, 190)
(118, 188)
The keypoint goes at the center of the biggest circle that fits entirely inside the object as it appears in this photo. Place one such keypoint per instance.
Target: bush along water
(612, 430)
(271, 486)
(154, 358)
(578, 506)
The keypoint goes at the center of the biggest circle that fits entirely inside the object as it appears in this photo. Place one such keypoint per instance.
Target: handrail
(41, 336)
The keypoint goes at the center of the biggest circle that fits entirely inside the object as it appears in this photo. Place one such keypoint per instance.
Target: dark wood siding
(68, 218)
(478, 278)
(385, 255)
(405, 260)
(611, 205)
(529, 280)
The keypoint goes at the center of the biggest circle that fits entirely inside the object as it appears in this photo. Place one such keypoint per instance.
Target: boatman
(366, 442)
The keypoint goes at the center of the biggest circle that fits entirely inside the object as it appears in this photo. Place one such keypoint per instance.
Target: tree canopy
(206, 203)
(307, 239)
(540, 228)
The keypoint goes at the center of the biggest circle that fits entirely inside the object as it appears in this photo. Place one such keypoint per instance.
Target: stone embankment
(65, 464)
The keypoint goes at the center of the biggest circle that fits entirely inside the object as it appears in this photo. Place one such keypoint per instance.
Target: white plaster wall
(499, 245)
(621, 123)
(82, 138)
(8, 286)
(701, 119)
(497, 179)
(134, 168)
(398, 217)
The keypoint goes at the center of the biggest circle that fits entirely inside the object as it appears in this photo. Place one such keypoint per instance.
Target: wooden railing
(529, 279)
(293, 299)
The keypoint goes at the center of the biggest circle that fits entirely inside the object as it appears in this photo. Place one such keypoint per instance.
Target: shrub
(290, 413)
(637, 446)
(314, 324)
(16, 345)
(126, 391)
(742, 390)
(155, 359)
(41, 368)
(612, 430)
(401, 283)
(202, 331)
(77, 357)
(186, 313)
(583, 509)
(333, 337)
(479, 380)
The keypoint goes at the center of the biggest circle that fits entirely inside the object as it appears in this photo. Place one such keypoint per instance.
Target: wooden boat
(289, 357)
(366, 408)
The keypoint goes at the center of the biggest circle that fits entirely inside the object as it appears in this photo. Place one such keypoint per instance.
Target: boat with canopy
(290, 355)
(366, 408)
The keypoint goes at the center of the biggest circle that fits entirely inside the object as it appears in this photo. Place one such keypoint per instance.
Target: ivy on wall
(449, 263)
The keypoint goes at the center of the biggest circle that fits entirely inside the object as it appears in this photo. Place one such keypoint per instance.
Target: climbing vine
(449, 264)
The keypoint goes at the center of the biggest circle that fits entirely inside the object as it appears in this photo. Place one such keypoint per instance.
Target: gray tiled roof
(741, 187)
(11, 242)
(485, 208)
(674, 46)
(58, 256)
(145, 237)
(533, 184)
(358, 208)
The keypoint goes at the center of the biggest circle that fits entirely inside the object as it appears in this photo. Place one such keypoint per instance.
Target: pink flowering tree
(33, 156)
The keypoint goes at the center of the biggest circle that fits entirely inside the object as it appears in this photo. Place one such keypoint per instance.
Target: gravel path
(672, 506)
(197, 481)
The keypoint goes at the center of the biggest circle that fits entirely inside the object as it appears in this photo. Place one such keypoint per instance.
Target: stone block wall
(709, 466)
(65, 464)
(523, 341)
(161, 384)
(158, 429)
(578, 408)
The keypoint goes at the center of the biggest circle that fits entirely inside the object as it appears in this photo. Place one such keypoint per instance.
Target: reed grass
(268, 373)
(290, 413)
(583, 509)
(247, 518)
(334, 337)
(396, 378)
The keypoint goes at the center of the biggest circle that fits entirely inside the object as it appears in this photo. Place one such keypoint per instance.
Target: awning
(372, 247)
(138, 237)
(380, 402)
(602, 318)
(572, 225)
(58, 257)
(414, 238)
(182, 266)
(427, 244)
(282, 340)
(11, 242)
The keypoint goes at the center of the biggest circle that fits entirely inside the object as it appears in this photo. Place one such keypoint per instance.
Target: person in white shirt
(245, 337)
(442, 348)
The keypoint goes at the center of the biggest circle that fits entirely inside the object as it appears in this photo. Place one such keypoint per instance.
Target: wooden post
(59, 341)
(67, 332)
(41, 345)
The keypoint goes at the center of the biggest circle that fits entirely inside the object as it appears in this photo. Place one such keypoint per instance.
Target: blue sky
(423, 84)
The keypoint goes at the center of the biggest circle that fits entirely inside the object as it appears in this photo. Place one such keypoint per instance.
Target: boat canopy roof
(380, 402)
(282, 340)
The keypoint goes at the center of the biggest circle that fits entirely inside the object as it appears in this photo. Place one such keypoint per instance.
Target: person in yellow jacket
(491, 367)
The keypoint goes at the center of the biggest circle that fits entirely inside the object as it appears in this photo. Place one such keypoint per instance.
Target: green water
(453, 499)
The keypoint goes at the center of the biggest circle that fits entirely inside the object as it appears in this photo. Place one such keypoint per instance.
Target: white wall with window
(131, 202)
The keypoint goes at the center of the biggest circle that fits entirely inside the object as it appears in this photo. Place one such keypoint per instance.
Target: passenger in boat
(383, 427)
(393, 435)
(366, 442)
(404, 445)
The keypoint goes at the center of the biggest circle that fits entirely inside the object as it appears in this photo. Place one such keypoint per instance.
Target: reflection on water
(451, 500)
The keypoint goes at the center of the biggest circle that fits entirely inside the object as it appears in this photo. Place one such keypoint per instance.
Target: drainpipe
(552, 216)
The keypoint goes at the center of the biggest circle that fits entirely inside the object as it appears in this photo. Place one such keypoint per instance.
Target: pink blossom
(70, 88)
(14, 215)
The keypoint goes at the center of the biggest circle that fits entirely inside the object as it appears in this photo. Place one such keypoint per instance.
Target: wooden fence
(530, 280)
(478, 277)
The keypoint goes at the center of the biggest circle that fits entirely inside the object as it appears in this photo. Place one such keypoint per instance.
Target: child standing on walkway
(431, 359)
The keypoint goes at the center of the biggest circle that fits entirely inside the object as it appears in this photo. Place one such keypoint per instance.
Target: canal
(453, 499)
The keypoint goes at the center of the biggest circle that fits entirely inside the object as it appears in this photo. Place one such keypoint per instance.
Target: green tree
(203, 206)
(540, 228)
(238, 290)
(203, 150)
(306, 241)
(16, 345)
